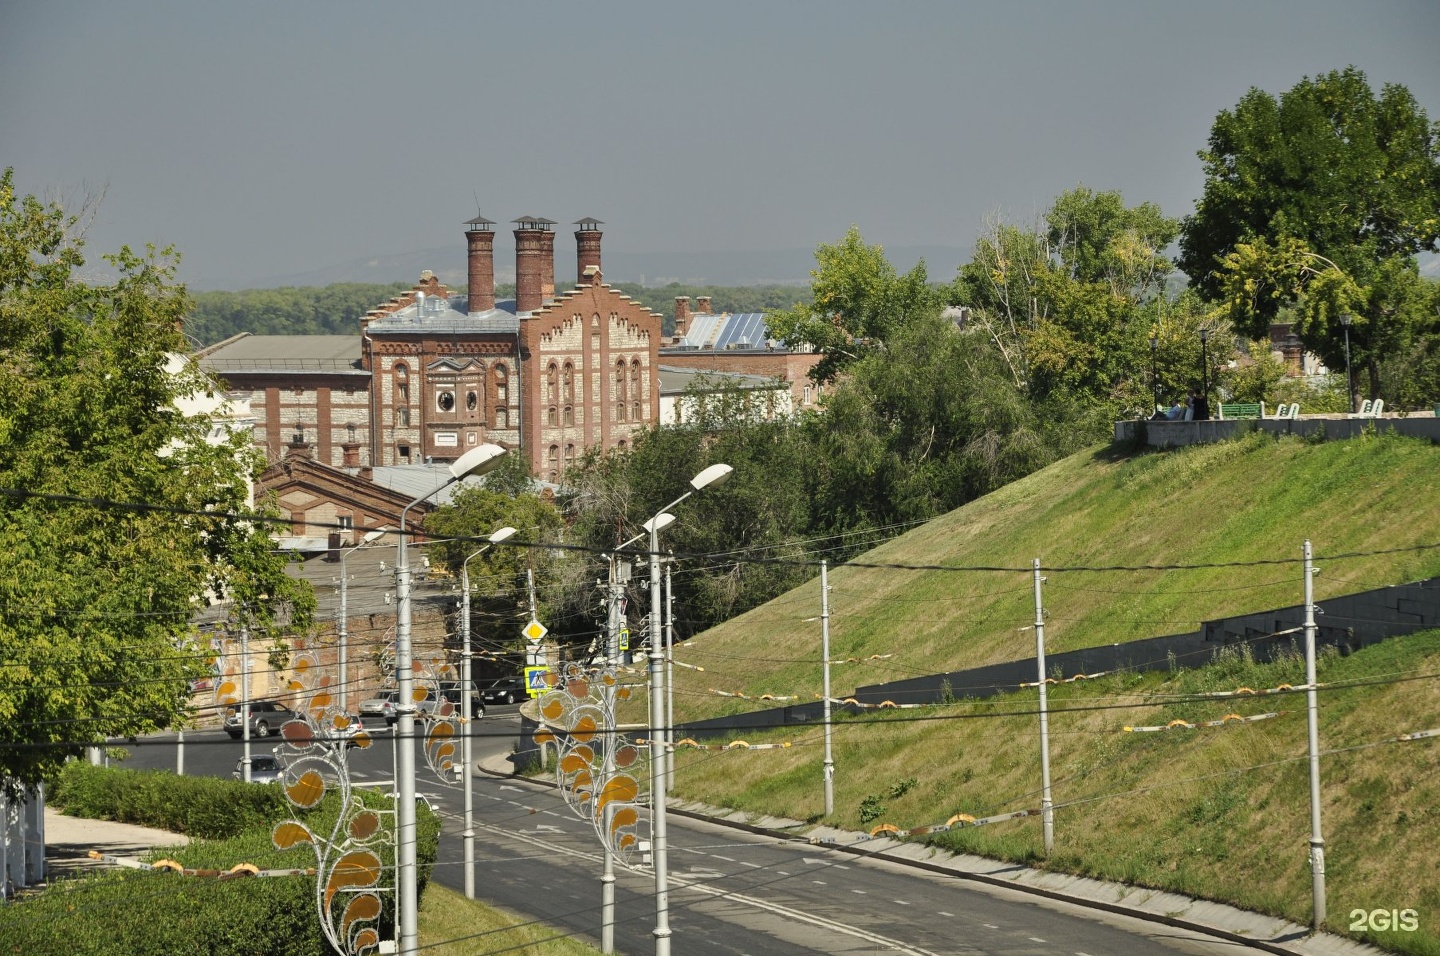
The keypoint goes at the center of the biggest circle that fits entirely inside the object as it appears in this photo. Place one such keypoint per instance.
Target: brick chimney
(480, 241)
(702, 304)
(547, 262)
(529, 266)
(587, 248)
(682, 316)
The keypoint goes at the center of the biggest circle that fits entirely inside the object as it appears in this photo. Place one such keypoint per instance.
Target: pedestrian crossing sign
(535, 680)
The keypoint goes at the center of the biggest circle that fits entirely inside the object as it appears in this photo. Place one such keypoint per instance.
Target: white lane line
(989, 925)
(943, 913)
(1036, 939)
(900, 902)
(860, 892)
(783, 872)
(725, 858)
(753, 866)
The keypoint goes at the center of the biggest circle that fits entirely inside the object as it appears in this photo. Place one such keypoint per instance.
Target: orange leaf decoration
(364, 825)
(360, 868)
(363, 907)
(307, 791)
(290, 834)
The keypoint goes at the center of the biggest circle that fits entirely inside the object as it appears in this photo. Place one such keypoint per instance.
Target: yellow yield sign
(534, 631)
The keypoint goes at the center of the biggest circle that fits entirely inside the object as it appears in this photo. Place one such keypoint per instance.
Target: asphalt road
(731, 891)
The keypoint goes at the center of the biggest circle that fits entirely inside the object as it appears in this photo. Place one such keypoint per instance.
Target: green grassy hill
(1215, 812)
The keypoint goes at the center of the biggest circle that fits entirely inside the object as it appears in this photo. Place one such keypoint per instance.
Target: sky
(267, 139)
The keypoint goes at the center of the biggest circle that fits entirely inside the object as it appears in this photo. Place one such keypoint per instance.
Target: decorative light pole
(341, 678)
(477, 461)
(711, 476)
(466, 686)
(1345, 319)
(1155, 371)
(1204, 376)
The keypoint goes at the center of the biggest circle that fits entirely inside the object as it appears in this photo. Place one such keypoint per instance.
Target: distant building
(738, 344)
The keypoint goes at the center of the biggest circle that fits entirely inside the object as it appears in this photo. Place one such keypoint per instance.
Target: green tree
(498, 579)
(858, 301)
(1319, 200)
(97, 599)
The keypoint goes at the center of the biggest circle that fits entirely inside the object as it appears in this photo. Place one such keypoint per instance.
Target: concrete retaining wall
(1166, 434)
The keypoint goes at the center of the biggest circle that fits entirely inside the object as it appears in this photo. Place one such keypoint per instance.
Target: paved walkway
(69, 840)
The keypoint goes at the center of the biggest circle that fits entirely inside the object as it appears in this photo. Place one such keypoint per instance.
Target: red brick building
(432, 374)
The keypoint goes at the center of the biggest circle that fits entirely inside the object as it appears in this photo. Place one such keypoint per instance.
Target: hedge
(166, 914)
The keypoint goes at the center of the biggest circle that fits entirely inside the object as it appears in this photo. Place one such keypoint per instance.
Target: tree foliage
(858, 301)
(321, 310)
(1320, 200)
(96, 599)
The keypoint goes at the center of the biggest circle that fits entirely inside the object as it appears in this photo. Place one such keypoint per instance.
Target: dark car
(506, 690)
(452, 694)
(266, 718)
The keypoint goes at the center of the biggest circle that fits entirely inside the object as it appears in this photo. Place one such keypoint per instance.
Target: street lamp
(1204, 402)
(1155, 372)
(477, 461)
(466, 686)
(711, 476)
(1345, 319)
(370, 537)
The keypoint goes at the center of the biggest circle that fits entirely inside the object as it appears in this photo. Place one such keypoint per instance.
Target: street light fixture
(477, 461)
(466, 686)
(1204, 402)
(714, 475)
(369, 538)
(1345, 319)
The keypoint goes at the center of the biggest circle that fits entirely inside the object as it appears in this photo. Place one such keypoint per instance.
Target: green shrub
(195, 806)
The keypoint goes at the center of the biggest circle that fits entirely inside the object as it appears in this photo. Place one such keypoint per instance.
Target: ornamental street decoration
(348, 864)
(439, 718)
(593, 769)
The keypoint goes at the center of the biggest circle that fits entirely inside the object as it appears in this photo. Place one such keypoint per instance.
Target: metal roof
(727, 331)
(675, 380)
(448, 316)
(338, 354)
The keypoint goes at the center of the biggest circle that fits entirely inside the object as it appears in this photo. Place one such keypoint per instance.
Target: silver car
(264, 768)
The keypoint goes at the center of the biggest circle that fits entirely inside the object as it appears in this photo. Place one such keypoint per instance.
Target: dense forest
(336, 309)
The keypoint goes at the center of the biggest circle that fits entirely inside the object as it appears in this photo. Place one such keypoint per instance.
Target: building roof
(284, 353)
(675, 380)
(447, 316)
(727, 331)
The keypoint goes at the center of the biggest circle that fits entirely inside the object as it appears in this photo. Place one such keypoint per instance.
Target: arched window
(403, 414)
(569, 457)
(502, 397)
(552, 378)
(637, 390)
(554, 462)
(620, 394)
(350, 432)
(568, 380)
(554, 418)
(402, 384)
(569, 414)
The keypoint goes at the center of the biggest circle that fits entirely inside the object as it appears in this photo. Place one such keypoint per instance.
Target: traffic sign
(624, 638)
(534, 631)
(535, 680)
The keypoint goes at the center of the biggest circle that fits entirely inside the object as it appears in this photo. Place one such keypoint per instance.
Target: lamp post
(466, 685)
(711, 476)
(1155, 371)
(1204, 376)
(370, 536)
(477, 461)
(1345, 319)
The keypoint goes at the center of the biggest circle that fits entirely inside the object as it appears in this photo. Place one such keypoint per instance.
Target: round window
(446, 401)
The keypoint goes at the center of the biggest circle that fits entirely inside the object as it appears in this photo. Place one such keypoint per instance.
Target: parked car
(452, 694)
(347, 732)
(506, 690)
(266, 718)
(381, 705)
(264, 768)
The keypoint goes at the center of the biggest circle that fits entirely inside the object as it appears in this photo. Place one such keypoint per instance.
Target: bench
(1291, 411)
(1234, 410)
(1369, 409)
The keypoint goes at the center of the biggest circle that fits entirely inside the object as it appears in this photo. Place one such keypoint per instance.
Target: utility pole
(1047, 805)
(1317, 841)
(245, 702)
(825, 660)
(669, 679)
(614, 592)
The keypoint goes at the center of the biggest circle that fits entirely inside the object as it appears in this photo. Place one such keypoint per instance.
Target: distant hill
(727, 268)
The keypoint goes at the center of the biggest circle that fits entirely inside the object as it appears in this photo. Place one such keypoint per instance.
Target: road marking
(1036, 939)
(819, 882)
(546, 828)
(943, 913)
(900, 902)
(861, 892)
(989, 925)
(753, 866)
(783, 872)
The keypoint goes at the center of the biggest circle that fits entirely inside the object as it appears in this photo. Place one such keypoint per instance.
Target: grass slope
(1220, 813)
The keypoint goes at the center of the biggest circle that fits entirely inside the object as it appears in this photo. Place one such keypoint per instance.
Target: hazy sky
(266, 139)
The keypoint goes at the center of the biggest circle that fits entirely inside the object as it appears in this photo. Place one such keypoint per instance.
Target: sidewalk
(1268, 933)
(69, 840)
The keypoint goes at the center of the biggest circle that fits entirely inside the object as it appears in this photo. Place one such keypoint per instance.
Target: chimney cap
(589, 222)
(479, 223)
(534, 222)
